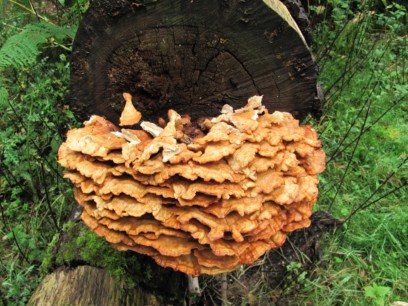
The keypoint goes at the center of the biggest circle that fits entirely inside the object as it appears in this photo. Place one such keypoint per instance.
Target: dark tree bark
(190, 55)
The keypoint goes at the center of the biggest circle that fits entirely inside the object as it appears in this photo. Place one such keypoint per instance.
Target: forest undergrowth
(361, 48)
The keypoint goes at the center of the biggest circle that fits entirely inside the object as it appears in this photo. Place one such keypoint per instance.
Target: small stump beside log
(85, 285)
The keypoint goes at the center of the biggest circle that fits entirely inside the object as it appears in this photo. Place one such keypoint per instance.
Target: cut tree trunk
(193, 56)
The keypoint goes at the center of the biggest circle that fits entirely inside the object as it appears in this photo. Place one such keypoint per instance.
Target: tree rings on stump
(190, 56)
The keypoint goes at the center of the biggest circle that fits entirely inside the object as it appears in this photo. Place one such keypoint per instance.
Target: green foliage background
(361, 49)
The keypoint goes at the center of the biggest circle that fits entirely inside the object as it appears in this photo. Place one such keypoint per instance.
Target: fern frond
(21, 50)
(4, 96)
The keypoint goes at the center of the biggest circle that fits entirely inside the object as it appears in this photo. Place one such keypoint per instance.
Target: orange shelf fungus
(130, 114)
(199, 200)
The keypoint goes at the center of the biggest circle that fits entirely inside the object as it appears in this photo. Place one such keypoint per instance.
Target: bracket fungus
(198, 198)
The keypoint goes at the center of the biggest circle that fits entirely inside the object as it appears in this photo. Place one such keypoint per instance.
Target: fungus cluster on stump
(199, 198)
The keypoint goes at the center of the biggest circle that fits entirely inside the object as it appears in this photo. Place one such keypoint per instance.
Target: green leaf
(377, 293)
(3, 98)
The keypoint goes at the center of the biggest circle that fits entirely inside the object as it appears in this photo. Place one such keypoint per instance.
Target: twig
(224, 290)
(337, 151)
(34, 10)
(367, 202)
(31, 11)
(6, 226)
(47, 198)
(354, 149)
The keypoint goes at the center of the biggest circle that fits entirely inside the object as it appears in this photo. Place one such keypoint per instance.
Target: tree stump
(191, 56)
